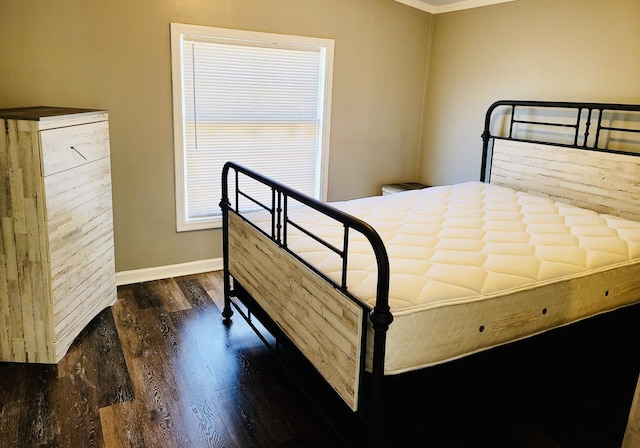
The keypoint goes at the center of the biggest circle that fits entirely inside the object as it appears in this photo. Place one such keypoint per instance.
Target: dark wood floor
(160, 369)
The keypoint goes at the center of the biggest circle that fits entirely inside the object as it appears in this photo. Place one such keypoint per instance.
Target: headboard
(586, 154)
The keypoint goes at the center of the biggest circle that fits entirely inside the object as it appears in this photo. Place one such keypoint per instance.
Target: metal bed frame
(580, 121)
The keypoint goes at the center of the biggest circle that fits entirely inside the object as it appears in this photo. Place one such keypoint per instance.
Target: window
(261, 100)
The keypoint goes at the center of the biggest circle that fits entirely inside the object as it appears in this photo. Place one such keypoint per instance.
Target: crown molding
(425, 5)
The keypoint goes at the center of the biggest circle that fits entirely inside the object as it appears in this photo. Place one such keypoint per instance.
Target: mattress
(476, 265)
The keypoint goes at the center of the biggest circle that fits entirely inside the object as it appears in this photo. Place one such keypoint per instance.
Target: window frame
(178, 30)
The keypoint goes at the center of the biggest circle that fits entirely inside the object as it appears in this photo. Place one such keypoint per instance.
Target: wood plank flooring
(160, 369)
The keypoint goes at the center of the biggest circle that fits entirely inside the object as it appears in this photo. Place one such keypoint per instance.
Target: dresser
(57, 268)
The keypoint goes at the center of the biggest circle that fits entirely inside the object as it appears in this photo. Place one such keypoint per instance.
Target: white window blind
(258, 100)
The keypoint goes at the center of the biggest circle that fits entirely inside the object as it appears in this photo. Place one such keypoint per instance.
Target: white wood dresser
(57, 266)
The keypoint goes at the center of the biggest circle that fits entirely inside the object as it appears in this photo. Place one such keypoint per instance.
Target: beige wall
(582, 50)
(114, 54)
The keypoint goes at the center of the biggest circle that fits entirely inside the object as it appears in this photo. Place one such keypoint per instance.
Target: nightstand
(396, 188)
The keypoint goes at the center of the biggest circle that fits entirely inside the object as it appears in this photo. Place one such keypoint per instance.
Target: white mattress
(475, 265)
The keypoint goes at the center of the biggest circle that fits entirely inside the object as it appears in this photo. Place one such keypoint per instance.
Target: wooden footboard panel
(323, 323)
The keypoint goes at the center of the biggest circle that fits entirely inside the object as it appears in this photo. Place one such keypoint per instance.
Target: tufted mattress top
(475, 265)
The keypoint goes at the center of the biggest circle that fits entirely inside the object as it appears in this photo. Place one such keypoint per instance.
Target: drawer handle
(85, 159)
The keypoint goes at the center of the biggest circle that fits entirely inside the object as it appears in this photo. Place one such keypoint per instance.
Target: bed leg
(227, 311)
(380, 318)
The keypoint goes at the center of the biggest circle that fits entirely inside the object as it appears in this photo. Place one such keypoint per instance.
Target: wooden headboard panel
(586, 154)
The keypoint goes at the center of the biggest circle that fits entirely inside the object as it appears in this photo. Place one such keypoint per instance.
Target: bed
(381, 286)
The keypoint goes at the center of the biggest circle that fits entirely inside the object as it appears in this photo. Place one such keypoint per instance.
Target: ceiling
(439, 6)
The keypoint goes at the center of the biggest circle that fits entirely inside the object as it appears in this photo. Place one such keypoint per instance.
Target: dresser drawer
(73, 146)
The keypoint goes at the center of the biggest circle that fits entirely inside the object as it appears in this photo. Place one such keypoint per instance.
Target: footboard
(318, 315)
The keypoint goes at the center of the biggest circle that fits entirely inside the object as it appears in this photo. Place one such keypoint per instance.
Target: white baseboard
(173, 270)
